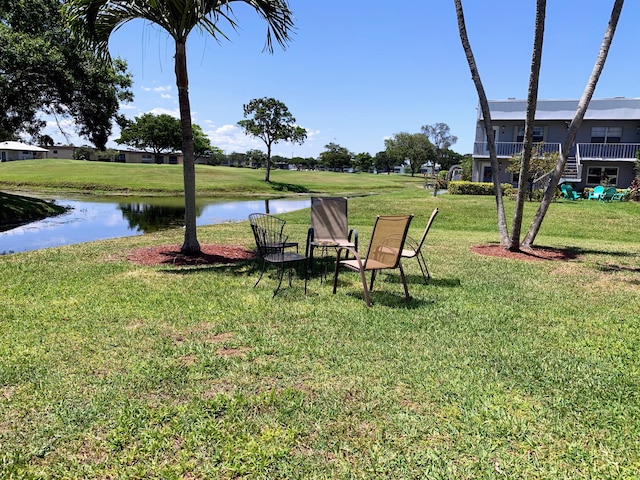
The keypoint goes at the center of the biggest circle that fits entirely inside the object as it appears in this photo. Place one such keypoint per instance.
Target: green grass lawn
(496, 369)
(100, 178)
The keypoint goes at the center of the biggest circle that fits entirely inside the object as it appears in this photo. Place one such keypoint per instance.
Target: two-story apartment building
(605, 147)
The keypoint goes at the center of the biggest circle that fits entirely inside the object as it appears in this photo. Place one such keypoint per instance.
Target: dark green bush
(477, 188)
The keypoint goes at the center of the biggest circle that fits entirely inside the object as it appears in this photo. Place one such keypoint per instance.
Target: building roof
(618, 108)
(22, 147)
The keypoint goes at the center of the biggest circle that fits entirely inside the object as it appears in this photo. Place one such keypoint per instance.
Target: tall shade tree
(100, 18)
(412, 147)
(270, 120)
(45, 70)
(513, 242)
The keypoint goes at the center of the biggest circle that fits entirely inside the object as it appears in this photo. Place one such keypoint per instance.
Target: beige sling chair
(385, 253)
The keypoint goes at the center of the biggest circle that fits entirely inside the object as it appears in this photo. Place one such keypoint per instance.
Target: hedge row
(477, 188)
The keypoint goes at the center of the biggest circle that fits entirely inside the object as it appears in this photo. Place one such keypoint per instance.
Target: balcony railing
(607, 151)
(509, 149)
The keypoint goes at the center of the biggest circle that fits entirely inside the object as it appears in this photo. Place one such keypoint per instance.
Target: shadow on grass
(288, 187)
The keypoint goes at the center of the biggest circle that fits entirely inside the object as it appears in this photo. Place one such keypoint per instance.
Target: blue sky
(357, 72)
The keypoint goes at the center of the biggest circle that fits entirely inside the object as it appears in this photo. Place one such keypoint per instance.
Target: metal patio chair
(385, 253)
(272, 249)
(414, 249)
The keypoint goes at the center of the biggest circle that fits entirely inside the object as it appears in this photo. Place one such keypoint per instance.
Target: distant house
(10, 151)
(604, 150)
(122, 156)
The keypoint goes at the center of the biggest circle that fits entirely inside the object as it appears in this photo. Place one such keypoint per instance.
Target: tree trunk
(486, 115)
(575, 124)
(191, 244)
(267, 175)
(532, 101)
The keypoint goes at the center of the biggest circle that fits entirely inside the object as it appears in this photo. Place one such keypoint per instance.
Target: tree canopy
(336, 157)
(270, 120)
(160, 134)
(414, 148)
(45, 70)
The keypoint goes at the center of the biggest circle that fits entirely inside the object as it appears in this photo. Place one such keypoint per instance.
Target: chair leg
(280, 279)
(404, 282)
(264, 264)
(367, 299)
(423, 268)
(373, 279)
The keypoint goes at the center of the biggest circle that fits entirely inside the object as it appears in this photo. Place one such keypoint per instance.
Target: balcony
(607, 151)
(509, 149)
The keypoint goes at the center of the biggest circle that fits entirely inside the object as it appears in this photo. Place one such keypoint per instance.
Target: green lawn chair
(621, 195)
(597, 193)
(608, 194)
(569, 193)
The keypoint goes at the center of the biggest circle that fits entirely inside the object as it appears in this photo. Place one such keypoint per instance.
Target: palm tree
(575, 124)
(488, 125)
(98, 19)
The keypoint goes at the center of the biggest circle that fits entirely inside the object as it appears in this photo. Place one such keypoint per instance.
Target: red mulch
(536, 253)
(170, 255)
(226, 254)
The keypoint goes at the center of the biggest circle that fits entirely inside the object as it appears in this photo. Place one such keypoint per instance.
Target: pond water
(98, 219)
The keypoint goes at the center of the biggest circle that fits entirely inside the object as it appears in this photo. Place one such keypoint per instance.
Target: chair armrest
(353, 234)
(354, 252)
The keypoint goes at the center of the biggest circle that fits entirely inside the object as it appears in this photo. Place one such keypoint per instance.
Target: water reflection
(147, 218)
(88, 221)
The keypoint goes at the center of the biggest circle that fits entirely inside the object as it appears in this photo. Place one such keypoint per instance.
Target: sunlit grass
(497, 368)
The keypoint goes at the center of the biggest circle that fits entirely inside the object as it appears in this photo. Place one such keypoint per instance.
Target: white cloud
(157, 89)
(166, 95)
(160, 110)
(231, 138)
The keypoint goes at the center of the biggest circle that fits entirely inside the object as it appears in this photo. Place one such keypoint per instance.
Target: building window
(538, 134)
(173, 160)
(606, 134)
(146, 158)
(602, 176)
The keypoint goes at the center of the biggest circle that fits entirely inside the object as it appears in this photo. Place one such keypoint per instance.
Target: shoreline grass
(497, 368)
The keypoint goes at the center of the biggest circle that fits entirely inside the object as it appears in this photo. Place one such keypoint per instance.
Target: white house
(10, 151)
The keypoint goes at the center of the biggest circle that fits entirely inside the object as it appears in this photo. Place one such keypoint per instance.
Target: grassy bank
(17, 209)
(498, 368)
(100, 178)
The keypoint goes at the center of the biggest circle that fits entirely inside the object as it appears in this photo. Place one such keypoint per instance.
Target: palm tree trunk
(532, 101)
(191, 244)
(575, 124)
(486, 115)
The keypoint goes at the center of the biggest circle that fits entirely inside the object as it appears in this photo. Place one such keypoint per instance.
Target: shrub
(477, 188)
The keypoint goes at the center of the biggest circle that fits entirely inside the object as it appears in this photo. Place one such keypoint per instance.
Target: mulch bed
(536, 253)
(171, 255)
(226, 254)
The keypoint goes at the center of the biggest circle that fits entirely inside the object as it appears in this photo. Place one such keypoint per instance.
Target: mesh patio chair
(414, 249)
(329, 226)
(385, 253)
(272, 245)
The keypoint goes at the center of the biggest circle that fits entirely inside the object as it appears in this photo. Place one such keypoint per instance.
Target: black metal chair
(271, 223)
(272, 249)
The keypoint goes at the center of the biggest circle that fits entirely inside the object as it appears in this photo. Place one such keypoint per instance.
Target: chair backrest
(428, 227)
(267, 222)
(387, 241)
(598, 190)
(329, 218)
(609, 193)
(268, 241)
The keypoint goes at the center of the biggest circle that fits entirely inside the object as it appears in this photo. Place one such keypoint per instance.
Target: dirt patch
(534, 254)
(171, 255)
